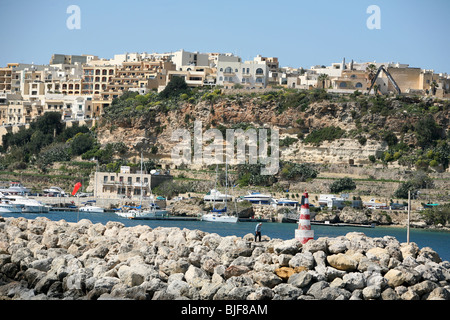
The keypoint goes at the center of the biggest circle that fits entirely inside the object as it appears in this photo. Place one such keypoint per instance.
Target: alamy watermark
(211, 147)
(374, 20)
(74, 20)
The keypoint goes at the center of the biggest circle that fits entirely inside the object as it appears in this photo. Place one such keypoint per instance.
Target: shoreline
(42, 259)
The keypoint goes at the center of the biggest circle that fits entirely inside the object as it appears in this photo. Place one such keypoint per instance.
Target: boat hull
(211, 217)
(10, 208)
(92, 209)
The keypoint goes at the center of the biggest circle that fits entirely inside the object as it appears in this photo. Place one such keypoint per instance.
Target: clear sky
(300, 33)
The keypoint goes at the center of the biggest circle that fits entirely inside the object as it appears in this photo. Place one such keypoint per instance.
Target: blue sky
(300, 33)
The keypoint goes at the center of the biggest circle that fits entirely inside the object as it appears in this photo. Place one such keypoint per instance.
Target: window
(358, 85)
(105, 178)
(228, 70)
(343, 85)
(259, 71)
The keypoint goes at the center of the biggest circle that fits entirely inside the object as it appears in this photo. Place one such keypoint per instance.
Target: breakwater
(44, 259)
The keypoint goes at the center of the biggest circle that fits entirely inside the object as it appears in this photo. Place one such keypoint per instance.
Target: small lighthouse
(304, 232)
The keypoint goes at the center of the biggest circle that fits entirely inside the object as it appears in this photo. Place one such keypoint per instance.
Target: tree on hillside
(427, 132)
(433, 87)
(371, 71)
(174, 88)
(344, 184)
(323, 77)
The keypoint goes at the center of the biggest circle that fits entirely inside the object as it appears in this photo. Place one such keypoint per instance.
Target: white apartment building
(251, 74)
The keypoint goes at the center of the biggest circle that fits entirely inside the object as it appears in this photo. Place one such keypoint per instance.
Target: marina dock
(166, 218)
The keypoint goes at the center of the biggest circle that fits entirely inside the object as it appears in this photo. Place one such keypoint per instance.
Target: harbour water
(439, 241)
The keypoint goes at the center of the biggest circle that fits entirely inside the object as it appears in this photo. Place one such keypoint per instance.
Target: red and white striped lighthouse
(304, 232)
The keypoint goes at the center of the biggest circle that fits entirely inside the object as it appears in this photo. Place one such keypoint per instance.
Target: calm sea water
(439, 241)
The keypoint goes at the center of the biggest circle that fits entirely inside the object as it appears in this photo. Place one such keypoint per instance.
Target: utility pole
(409, 216)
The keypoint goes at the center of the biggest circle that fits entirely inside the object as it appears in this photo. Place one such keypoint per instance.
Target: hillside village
(383, 125)
(80, 87)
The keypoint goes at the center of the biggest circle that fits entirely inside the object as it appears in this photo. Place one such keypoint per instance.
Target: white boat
(154, 212)
(216, 195)
(15, 188)
(54, 191)
(7, 207)
(219, 217)
(256, 197)
(89, 207)
(29, 205)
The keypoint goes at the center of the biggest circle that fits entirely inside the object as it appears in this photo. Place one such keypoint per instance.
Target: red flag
(75, 189)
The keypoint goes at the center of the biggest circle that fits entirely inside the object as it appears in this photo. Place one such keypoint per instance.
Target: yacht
(55, 191)
(216, 195)
(215, 216)
(15, 188)
(7, 207)
(220, 215)
(89, 207)
(136, 213)
(29, 205)
(256, 197)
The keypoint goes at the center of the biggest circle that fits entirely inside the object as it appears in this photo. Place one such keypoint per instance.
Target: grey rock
(301, 279)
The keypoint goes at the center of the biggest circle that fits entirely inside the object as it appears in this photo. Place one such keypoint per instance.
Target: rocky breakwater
(43, 259)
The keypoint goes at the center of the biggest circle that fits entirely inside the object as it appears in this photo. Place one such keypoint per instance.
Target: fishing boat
(89, 207)
(134, 212)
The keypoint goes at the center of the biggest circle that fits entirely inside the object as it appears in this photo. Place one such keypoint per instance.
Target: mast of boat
(215, 187)
(141, 182)
(226, 182)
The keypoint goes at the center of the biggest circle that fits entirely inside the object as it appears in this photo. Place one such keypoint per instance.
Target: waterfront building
(127, 185)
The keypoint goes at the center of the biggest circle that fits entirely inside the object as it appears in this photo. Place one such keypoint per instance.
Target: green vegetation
(46, 140)
(437, 215)
(324, 134)
(297, 171)
(420, 180)
(344, 184)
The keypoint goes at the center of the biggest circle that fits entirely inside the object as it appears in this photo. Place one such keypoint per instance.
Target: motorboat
(29, 205)
(15, 188)
(216, 195)
(256, 197)
(54, 192)
(137, 212)
(89, 207)
(6, 206)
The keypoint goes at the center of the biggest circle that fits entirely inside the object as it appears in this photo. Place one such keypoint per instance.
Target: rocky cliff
(362, 122)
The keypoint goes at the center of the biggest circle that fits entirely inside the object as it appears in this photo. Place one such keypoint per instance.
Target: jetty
(166, 218)
(343, 224)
